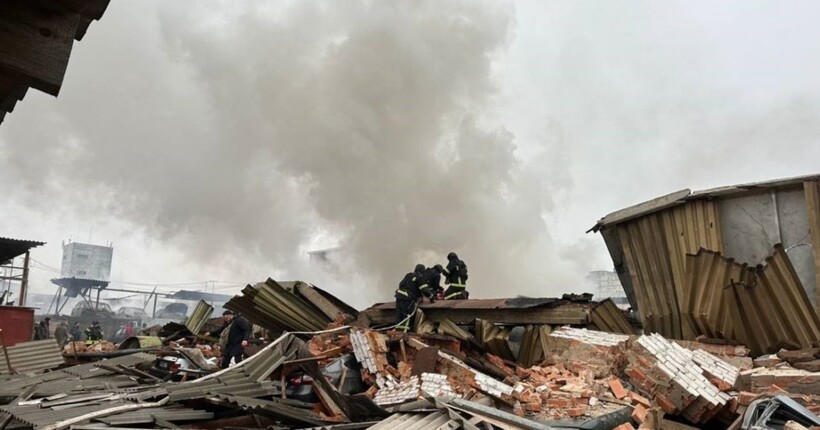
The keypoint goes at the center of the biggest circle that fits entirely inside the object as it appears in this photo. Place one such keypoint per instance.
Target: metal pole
(24, 282)
(6, 353)
(154, 314)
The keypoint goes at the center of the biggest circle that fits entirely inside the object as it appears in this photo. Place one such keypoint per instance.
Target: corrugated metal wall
(655, 248)
(772, 310)
(706, 309)
(812, 191)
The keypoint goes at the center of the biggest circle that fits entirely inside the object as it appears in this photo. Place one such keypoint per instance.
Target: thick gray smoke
(364, 123)
(375, 108)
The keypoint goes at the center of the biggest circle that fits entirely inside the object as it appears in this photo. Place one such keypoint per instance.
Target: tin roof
(10, 248)
(34, 356)
(682, 196)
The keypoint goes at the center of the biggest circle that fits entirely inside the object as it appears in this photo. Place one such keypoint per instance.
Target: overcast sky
(221, 141)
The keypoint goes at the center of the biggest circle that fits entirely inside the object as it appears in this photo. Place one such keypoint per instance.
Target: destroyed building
(724, 263)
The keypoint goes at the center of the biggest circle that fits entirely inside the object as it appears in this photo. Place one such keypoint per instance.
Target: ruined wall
(752, 224)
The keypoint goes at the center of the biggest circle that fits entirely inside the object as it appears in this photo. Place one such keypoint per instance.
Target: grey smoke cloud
(368, 122)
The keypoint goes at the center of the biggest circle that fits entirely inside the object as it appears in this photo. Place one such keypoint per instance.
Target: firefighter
(456, 275)
(431, 283)
(407, 296)
(94, 333)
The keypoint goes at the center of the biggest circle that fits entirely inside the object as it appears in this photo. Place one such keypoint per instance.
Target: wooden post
(24, 282)
(6, 353)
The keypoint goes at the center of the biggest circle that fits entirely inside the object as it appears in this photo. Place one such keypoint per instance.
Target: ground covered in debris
(581, 364)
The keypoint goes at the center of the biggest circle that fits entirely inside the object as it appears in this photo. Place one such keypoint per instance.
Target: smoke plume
(364, 124)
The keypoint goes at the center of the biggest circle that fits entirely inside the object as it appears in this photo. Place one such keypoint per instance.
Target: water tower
(85, 272)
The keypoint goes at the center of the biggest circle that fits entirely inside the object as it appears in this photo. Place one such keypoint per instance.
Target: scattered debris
(452, 371)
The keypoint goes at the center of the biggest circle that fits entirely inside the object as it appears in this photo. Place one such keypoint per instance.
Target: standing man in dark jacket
(43, 330)
(456, 274)
(407, 296)
(238, 335)
(76, 332)
(61, 334)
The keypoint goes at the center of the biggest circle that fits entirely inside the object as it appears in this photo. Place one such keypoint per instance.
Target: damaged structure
(738, 263)
(473, 364)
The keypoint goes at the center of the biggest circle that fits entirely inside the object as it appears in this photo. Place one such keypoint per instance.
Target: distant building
(606, 285)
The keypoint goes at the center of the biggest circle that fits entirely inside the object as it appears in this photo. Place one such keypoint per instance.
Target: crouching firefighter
(431, 283)
(407, 297)
(456, 275)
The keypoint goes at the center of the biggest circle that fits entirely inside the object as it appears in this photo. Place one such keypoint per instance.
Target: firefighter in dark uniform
(456, 275)
(431, 283)
(407, 296)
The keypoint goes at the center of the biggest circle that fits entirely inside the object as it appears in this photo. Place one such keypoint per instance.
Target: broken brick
(746, 398)
(617, 389)
(576, 411)
(638, 399)
(639, 414)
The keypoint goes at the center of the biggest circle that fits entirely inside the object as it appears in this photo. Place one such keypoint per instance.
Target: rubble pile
(468, 362)
(80, 347)
(692, 383)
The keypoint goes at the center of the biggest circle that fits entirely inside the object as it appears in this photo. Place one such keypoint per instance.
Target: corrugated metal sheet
(606, 316)
(417, 421)
(683, 196)
(37, 417)
(277, 309)
(35, 356)
(767, 307)
(654, 250)
(706, 310)
(84, 376)
(451, 329)
(812, 191)
(146, 416)
(775, 310)
(493, 338)
(10, 248)
(533, 348)
(201, 313)
(275, 408)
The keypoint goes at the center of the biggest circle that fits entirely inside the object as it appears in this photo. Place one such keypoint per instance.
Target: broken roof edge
(680, 197)
(641, 209)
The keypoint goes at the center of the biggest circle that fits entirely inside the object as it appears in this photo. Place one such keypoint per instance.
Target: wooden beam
(35, 43)
(561, 315)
